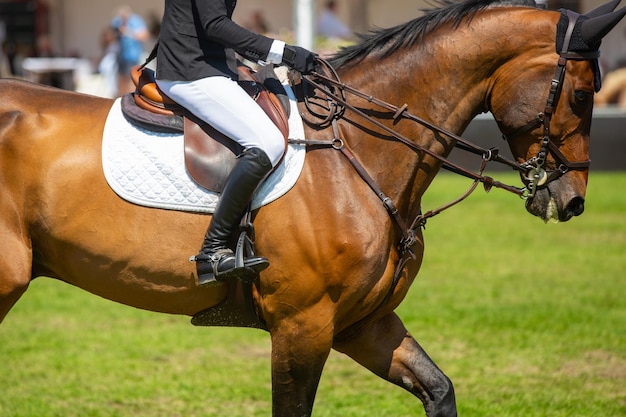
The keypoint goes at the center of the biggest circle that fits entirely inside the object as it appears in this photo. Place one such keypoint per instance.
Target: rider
(197, 68)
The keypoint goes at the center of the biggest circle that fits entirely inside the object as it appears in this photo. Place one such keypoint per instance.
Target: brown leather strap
(146, 85)
(143, 103)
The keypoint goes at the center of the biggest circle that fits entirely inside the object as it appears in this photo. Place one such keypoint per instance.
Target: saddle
(209, 155)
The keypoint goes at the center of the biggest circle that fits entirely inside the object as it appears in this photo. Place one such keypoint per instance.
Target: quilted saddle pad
(147, 168)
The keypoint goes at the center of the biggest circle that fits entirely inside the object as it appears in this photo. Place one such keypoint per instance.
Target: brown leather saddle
(209, 155)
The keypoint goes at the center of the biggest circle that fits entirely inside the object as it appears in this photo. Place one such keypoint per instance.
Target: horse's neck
(443, 99)
(448, 77)
(446, 81)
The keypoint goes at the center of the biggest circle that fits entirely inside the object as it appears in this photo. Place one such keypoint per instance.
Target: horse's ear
(604, 9)
(593, 30)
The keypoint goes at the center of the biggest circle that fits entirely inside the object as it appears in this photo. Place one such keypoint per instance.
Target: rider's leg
(216, 260)
(220, 102)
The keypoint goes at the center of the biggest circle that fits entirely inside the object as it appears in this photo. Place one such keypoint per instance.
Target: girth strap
(408, 233)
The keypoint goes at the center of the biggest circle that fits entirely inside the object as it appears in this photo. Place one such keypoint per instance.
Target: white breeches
(223, 104)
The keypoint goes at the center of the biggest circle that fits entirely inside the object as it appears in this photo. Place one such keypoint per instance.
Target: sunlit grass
(526, 319)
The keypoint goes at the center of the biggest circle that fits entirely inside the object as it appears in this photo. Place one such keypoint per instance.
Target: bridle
(534, 170)
(536, 174)
(327, 81)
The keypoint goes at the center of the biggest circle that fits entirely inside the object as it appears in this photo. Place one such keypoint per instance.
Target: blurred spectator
(132, 32)
(5, 70)
(44, 46)
(15, 55)
(329, 24)
(108, 67)
(154, 26)
(257, 23)
(613, 89)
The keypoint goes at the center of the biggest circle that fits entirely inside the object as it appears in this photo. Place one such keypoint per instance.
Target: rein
(338, 104)
(535, 174)
(335, 91)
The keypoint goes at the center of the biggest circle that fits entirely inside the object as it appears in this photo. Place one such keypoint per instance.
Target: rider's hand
(300, 59)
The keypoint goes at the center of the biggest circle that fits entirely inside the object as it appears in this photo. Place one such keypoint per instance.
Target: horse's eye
(582, 97)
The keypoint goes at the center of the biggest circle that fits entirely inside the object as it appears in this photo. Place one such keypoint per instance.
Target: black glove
(299, 59)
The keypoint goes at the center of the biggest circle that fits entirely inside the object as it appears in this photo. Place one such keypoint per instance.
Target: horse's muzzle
(557, 201)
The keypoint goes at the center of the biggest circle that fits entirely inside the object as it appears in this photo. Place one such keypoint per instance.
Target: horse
(343, 243)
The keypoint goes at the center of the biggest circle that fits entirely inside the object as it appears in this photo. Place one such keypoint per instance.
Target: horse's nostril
(576, 206)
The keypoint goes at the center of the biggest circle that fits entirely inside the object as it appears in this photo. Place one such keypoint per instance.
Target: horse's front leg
(385, 347)
(300, 346)
(15, 263)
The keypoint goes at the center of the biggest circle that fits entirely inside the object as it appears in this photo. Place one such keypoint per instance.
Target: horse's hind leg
(386, 348)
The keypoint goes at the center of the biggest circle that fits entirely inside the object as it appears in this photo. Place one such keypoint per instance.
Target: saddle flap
(267, 99)
(209, 155)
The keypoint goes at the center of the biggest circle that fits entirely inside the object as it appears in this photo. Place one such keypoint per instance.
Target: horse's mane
(390, 40)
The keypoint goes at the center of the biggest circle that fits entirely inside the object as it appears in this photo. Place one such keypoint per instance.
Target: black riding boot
(216, 261)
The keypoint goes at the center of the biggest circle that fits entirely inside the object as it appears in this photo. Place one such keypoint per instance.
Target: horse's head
(544, 108)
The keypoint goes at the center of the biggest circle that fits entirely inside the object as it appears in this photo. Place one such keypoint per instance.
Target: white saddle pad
(148, 168)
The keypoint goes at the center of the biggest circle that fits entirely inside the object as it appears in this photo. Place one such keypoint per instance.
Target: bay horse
(334, 244)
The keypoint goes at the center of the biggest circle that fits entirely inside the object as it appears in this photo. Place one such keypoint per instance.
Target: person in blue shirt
(132, 32)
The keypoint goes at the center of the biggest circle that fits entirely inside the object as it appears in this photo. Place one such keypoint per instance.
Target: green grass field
(526, 319)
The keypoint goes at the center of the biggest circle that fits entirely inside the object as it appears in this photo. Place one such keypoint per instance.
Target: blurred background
(77, 45)
(77, 28)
